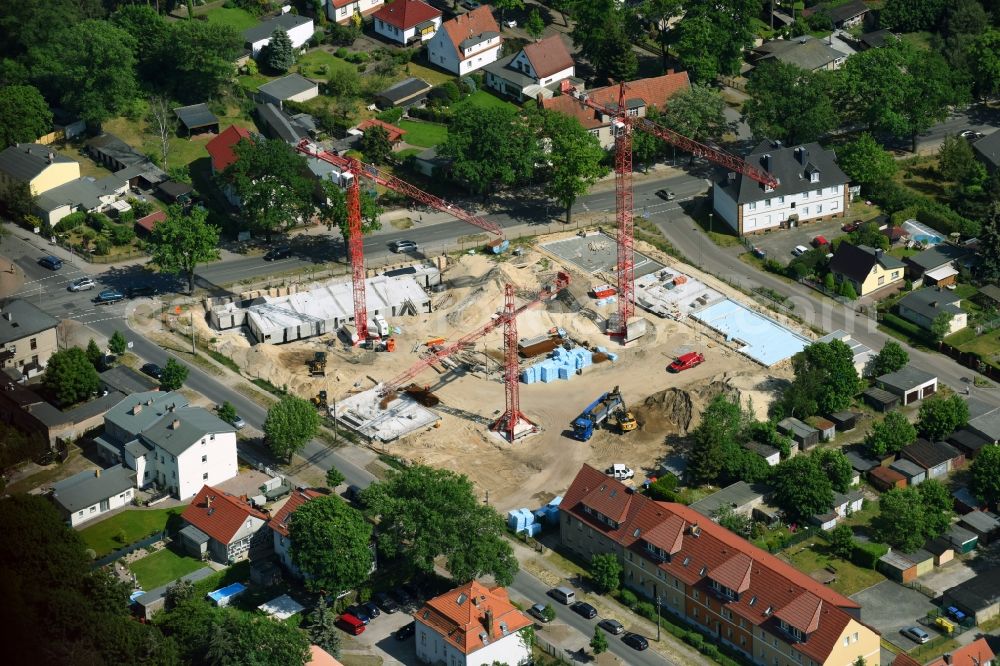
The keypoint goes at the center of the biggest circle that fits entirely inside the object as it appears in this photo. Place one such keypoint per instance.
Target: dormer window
(790, 630)
(814, 177)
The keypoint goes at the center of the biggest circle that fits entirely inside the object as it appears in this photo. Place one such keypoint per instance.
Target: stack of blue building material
(534, 529)
(607, 300)
(561, 364)
(611, 356)
(519, 519)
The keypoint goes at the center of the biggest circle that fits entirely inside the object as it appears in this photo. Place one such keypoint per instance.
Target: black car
(402, 596)
(152, 370)
(141, 291)
(406, 631)
(109, 296)
(280, 252)
(51, 263)
(584, 609)
(385, 602)
(666, 195)
(371, 609)
(635, 641)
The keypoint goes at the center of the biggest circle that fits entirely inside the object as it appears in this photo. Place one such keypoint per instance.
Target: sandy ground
(10, 280)
(534, 469)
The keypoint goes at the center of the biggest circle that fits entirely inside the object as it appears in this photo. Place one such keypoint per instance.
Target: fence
(970, 360)
(129, 549)
(91, 258)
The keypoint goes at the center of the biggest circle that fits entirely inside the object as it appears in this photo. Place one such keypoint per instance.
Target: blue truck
(608, 405)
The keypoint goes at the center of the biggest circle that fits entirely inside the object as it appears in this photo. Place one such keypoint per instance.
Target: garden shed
(880, 399)
(968, 442)
(844, 421)
(911, 471)
(804, 434)
(938, 458)
(827, 429)
(965, 501)
(983, 524)
(405, 93)
(942, 550)
(886, 478)
(910, 384)
(922, 559)
(963, 540)
(197, 118)
(898, 567)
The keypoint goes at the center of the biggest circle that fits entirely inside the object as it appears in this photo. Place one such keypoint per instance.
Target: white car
(82, 284)
(971, 135)
(620, 472)
(800, 250)
(510, 23)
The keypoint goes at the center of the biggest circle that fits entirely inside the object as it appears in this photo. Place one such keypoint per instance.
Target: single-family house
(862, 354)
(394, 133)
(843, 16)
(868, 269)
(910, 384)
(299, 28)
(923, 306)
(343, 11)
(886, 478)
(406, 93)
(197, 118)
(802, 433)
(81, 195)
(938, 265)
(938, 458)
(898, 567)
(279, 527)
(968, 442)
(640, 96)
(221, 526)
(976, 653)
(220, 148)
(407, 21)
(987, 151)
(810, 187)
(27, 337)
(537, 69)
(978, 597)
(911, 471)
(805, 52)
(92, 493)
(942, 550)
(963, 540)
(741, 497)
(471, 625)
(981, 523)
(879, 399)
(39, 167)
(466, 43)
(291, 88)
(771, 455)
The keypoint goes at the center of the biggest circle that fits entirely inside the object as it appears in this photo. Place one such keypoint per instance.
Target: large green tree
(711, 37)
(892, 358)
(70, 376)
(24, 115)
(988, 268)
(490, 148)
(939, 416)
(183, 241)
(290, 423)
(825, 380)
(714, 440)
(912, 15)
(89, 68)
(332, 209)
(659, 13)
(801, 487)
(697, 113)
(331, 544)
(985, 483)
(603, 34)
(245, 639)
(322, 627)
(837, 468)
(901, 520)
(984, 62)
(280, 54)
(789, 103)
(866, 162)
(426, 513)
(575, 159)
(30, 23)
(605, 572)
(274, 186)
(376, 145)
(174, 375)
(938, 507)
(957, 162)
(890, 435)
(200, 59)
(150, 32)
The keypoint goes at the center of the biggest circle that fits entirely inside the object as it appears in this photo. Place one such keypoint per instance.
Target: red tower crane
(622, 126)
(512, 416)
(355, 247)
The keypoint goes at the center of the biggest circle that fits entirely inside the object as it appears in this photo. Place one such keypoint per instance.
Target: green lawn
(484, 100)
(811, 555)
(137, 523)
(435, 77)
(403, 154)
(312, 64)
(237, 18)
(162, 567)
(423, 134)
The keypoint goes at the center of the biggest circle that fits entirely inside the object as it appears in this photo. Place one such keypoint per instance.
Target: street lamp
(710, 216)
(657, 617)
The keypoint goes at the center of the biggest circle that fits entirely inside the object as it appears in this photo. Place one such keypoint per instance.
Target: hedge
(893, 197)
(867, 555)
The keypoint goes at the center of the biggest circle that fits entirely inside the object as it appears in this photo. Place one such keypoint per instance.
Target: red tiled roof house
(472, 624)
(279, 527)
(536, 69)
(395, 133)
(220, 525)
(220, 149)
(466, 43)
(709, 576)
(343, 11)
(407, 21)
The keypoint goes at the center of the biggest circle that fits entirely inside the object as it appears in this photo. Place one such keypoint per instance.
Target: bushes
(70, 222)
(867, 554)
(390, 115)
(122, 234)
(356, 57)
(646, 609)
(663, 489)
(98, 221)
(628, 598)
(434, 115)
(893, 197)
(102, 246)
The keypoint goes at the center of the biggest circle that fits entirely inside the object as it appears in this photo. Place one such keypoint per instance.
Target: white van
(620, 472)
(563, 595)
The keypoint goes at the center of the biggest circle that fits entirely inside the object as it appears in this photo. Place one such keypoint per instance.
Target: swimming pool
(223, 596)
(761, 338)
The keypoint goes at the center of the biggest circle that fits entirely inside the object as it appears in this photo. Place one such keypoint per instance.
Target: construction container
(539, 348)
(603, 291)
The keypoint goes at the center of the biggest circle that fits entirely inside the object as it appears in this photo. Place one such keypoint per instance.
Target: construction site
(514, 367)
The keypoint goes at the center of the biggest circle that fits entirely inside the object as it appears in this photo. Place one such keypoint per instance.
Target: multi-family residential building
(810, 187)
(466, 43)
(27, 337)
(472, 625)
(703, 573)
(222, 526)
(39, 167)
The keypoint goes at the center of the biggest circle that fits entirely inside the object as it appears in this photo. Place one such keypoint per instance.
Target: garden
(128, 527)
(97, 235)
(163, 566)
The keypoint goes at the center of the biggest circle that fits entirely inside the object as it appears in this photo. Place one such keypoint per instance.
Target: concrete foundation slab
(363, 414)
(598, 253)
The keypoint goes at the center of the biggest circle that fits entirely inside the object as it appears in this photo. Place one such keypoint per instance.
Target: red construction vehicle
(686, 361)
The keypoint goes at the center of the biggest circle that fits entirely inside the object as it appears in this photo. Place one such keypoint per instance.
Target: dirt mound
(674, 410)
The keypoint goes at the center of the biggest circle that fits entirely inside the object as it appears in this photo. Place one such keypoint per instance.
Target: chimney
(766, 161)
(489, 623)
(176, 424)
(934, 304)
(695, 530)
(9, 316)
(670, 70)
(137, 408)
(97, 473)
(802, 155)
(947, 658)
(878, 252)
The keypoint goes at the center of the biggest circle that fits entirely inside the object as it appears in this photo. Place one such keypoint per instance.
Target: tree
(117, 344)
(375, 145)
(89, 69)
(956, 161)
(714, 438)
(183, 241)
(789, 103)
(865, 161)
(825, 380)
(323, 627)
(150, 32)
(174, 375)
(426, 513)
(94, 354)
(841, 540)
(273, 183)
(344, 83)
(766, 432)
(985, 469)
(940, 416)
(602, 34)
(32, 22)
(599, 643)
(334, 477)
(659, 13)
(331, 544)
(280, 55)
(243, 639)
(711, 37)
(575, 159)
(161, 118)
(801, 488)
(208, 66)
(892, 358)
(605, 572)
(332, 209)
(912, 15)
(890, 435)
(736, 523)
(227, 412)
(290, 423)
(534, 26)
(984, 62)
(697, 113)
(938, 504)
(504, 5)
(490, 147)
(549, 613)
(70, 376)
(900, 521)
(836, 467)
(24, 115)
(988, 268)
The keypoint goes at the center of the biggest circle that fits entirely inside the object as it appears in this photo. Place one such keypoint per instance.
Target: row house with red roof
(471, 625)
(711, 577)
(222, 526)
(466, 43)
(407, 21)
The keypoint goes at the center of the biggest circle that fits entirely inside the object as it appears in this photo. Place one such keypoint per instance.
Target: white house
(343, 11)
(407, 21)
(466, 43)
(221, 525)
(300, 30)
(542, 64)
(923, 306)
(471, 625)
(92, 493)
(810, 187)
(279, 527)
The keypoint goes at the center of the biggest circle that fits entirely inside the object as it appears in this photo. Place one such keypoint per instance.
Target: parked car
(371, 609)
(819, 241)
(238, 423)
(153, 370)
(635, 641)
(510, 23)
(851, 226)
(800, 250)
(971, 135)
(109, 296)
(406, 631)
(402, 246)
(471, 4)
(351, 624)
(613, 627)
(916, 634)
(620, 471)
(142, 291)
(358, 611)
(760, 253)
(666, 195)
(385, 602)
(402, 596)
(686, 361)
(537, 611)
(82, 284)
(280, 252)
(51, 263)
(583, 609)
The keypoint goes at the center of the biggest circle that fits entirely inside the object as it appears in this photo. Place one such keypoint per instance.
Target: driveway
(948, 576)
(779, 244)
(890, 607)
(378, 640)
